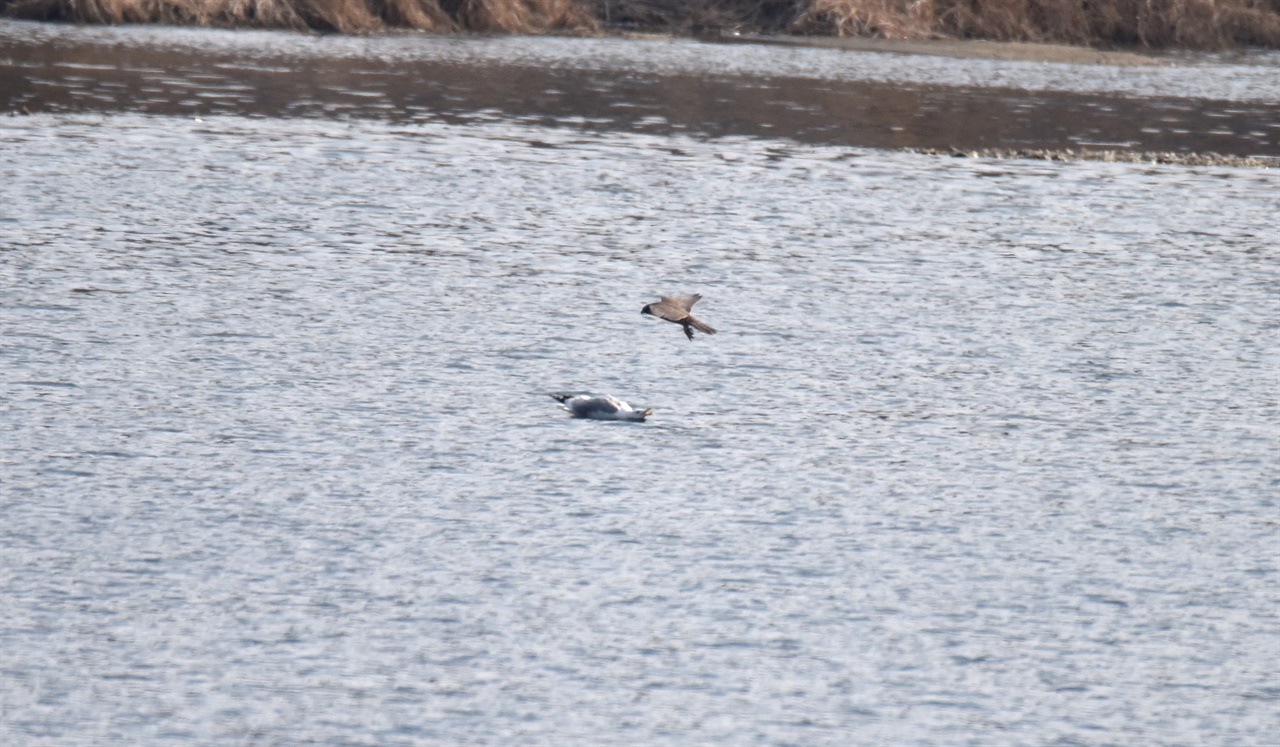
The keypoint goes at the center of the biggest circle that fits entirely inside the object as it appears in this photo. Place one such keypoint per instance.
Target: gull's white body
(602, 407)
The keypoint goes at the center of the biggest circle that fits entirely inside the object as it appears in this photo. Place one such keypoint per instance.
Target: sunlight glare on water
(984, 452)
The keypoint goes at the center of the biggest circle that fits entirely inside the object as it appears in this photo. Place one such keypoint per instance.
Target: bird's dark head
(646, 310)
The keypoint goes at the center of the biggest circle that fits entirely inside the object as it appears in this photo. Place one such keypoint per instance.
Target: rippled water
(984, 454)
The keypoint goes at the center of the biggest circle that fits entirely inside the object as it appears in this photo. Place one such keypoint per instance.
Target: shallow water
(989, 461)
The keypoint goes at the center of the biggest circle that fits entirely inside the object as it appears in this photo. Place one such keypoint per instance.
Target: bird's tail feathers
(701, 325)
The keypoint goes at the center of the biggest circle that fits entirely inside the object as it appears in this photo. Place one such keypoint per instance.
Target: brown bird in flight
(676, 309)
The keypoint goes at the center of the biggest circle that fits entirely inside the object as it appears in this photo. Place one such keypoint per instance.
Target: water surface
(984, 454)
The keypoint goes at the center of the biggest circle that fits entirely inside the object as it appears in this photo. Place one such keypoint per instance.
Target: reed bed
(1146, 23)
(1203, 24)
(346, 16)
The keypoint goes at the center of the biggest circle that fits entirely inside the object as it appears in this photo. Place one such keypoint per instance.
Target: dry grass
(348, 16)
(1150, 23)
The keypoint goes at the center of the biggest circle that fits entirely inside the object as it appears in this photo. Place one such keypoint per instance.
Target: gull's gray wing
(590, 407)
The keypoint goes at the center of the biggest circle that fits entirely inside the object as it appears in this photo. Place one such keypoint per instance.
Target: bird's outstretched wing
(681, 302)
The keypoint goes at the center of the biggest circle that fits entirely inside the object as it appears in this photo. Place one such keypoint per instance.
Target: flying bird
(676, 309)
(602, 407)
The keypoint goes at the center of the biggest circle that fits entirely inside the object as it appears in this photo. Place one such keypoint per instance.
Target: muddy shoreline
(956, 48)
(76, 72)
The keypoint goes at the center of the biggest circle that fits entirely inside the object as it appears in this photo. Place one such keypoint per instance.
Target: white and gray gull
(602, 407)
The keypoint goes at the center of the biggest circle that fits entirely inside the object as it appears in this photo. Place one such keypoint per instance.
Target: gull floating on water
(677, 309)
(599, 407)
